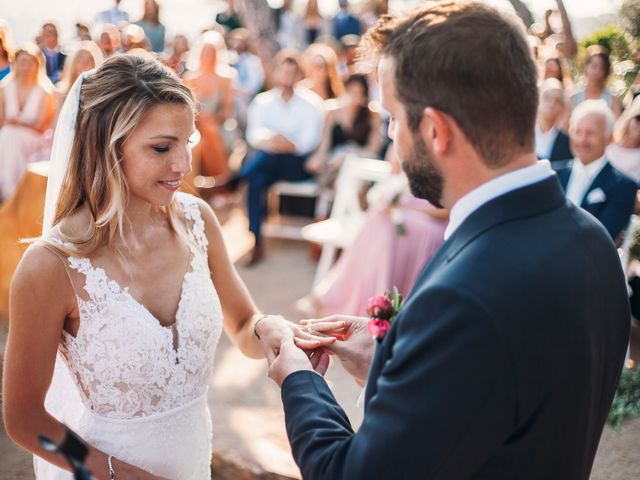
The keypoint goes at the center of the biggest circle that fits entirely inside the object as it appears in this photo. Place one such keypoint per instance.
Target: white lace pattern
(124, 360)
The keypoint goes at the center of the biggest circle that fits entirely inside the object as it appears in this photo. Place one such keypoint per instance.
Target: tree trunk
(257, 17)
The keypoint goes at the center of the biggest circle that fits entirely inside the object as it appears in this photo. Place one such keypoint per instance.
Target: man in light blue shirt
(114, 15)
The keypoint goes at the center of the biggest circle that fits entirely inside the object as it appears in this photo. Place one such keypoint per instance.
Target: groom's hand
(289, 359)
(356, 346)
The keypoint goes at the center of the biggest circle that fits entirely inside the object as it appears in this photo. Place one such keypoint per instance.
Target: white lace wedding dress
(143, 386)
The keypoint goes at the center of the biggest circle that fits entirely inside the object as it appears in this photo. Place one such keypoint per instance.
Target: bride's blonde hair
(113, 101)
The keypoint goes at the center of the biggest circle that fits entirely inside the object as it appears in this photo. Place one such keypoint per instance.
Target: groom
(504, 360)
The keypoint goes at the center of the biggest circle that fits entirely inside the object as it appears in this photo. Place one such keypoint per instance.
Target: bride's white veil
(63, 399)
(61, 150)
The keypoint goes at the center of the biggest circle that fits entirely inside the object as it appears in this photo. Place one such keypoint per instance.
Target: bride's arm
(241, 316)
(41, 298)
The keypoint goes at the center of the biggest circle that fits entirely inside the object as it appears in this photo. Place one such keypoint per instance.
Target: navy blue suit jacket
(620, 197)
(561, 149)
(501, 365)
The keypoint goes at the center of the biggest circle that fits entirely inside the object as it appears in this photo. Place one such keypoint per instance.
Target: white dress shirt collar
(582, 177)
(545, 141)
(592, 169)
(493, 189)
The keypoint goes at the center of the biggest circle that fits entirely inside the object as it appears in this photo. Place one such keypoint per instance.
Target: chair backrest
(354, 173)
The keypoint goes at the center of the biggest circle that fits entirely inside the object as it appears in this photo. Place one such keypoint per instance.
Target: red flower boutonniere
(383, 310)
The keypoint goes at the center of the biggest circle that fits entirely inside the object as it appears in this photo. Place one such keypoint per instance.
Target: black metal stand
(73, 450)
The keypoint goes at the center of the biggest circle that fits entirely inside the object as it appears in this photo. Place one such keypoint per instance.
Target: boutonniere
(383, 309)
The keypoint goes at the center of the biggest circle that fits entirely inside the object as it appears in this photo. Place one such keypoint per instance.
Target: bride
(123, 299)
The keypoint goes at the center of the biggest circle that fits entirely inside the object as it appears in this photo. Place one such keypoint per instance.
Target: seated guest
(350, 127)
(210, 78)
(320, 66)
(177, 60)
(289, 26)
(109, 40)
(26, 112)
(348, 55)
(114, 15)
(597, 70)
(150, 23)
(54, 57)
(134, 38)
(251, 75)
(6, 52)
(554, 67)
(229, 17)
(86, 56)
(284, 125)
(314, 24)
(344, 23)
(551, 143)
(590, 181)
(624, 153)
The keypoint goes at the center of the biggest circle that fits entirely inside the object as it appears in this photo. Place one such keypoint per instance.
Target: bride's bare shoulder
(42, 264)
(41, 269)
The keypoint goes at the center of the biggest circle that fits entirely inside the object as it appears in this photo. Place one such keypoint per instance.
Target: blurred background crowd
(281, 102)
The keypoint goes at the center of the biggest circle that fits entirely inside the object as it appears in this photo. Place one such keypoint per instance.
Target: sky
(24, 17)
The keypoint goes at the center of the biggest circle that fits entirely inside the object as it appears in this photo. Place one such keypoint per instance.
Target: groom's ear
(436, 130)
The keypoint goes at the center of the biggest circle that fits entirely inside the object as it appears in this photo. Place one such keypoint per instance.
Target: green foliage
(634, 249)
(613, 38)
(630, 13)
(626, 402)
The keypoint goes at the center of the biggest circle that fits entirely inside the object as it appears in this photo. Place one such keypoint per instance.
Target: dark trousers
(262, 171)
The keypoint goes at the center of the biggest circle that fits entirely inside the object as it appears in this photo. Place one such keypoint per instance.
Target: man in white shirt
(284, 125)
(551, 143)
(590, 181)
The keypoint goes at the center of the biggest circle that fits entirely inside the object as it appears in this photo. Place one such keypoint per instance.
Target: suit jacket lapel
(602, 181)
(563, 176)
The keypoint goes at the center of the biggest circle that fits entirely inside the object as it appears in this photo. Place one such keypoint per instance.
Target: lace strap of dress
(192, 213)
(53, 240)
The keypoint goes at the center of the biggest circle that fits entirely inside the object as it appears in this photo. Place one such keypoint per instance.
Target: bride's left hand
(274, 328)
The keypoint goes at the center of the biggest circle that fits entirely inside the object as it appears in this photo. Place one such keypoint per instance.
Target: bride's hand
(274, 328)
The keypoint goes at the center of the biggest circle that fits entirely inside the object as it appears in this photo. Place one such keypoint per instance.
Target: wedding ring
(309, 328)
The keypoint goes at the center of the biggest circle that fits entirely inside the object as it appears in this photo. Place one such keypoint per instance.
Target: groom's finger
(269, 353)
(331, 319)
(324, 327)
(320, 361)
(322, 339)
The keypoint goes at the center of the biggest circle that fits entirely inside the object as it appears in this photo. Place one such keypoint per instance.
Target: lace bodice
(125, 362)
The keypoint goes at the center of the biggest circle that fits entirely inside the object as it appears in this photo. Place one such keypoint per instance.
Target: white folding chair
(347, 216)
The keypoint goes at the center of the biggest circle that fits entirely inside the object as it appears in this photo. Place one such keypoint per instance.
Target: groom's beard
(425, 180)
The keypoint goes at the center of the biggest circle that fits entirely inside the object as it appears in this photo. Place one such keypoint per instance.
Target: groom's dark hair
(469, 61)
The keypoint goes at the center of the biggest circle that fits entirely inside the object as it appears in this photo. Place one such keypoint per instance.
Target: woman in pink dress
(26, 112)
(396, 241)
